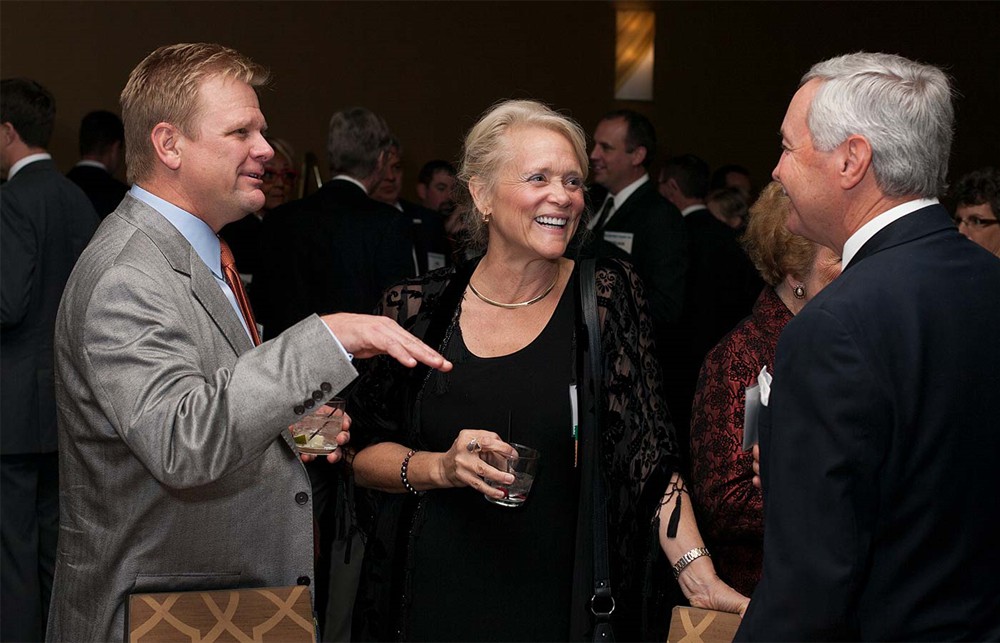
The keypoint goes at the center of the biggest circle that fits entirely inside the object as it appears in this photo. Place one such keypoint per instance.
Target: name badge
(435, 260)
(621, 239)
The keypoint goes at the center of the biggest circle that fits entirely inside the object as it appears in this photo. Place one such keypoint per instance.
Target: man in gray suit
(178, 471)
(46, 222)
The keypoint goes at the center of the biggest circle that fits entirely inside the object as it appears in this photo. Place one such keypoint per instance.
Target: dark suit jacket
(720, 290)
(659, 249)
(245, 240)
(334, 251)
(879, 449)
(430, 242)
(47, 221)
(103, 190)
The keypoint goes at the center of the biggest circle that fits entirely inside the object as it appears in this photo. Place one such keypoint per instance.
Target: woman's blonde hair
(774, 250)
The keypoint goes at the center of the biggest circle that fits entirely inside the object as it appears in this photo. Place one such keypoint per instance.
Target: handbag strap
(602, 603)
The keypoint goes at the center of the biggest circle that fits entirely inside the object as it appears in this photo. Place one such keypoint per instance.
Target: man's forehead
(611, 128)
(442, 176)
(794, 123)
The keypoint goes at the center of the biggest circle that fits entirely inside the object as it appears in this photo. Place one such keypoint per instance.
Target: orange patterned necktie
(232, 278)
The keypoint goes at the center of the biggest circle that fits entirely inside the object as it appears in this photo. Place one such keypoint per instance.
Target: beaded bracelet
(402, 473)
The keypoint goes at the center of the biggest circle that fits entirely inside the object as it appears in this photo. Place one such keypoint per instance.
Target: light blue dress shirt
(201, 237)
(206, 243)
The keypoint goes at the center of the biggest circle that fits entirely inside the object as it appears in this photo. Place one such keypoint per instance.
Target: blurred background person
(728, 205)
(430, 244)
(729, 507)
(244, 236)
(978, 204)
(45, 222)
(102, 156)
(436, 190)
(733, 175)
(719, 288)
(441, 562)
(436, 186)
(335, 250)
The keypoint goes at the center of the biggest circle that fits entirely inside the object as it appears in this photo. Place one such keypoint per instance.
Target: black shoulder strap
(602, 603)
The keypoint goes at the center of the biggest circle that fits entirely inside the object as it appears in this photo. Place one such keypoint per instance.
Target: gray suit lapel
(183, 259)
(208, 293)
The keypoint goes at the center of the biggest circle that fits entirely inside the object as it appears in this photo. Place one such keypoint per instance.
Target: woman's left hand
(716, 595)
(342, 438)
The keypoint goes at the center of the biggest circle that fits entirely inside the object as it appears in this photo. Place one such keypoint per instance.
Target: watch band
(689, 558)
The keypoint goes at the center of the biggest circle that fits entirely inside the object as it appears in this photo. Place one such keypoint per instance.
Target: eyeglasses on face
(288, 176)
(974, 221)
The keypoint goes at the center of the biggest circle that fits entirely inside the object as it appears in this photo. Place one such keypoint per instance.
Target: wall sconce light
(634, 55)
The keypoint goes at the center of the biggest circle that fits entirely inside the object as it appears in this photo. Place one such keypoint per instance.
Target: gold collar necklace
(520, 304)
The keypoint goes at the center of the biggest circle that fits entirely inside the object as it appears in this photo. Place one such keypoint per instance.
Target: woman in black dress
(441, 562)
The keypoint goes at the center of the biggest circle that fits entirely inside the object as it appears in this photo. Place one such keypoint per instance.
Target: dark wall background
(724, 71)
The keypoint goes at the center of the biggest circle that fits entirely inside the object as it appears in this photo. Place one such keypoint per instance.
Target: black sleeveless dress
(482, 572)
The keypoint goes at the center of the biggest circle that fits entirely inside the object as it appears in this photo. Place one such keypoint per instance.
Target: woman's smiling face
(538, 200)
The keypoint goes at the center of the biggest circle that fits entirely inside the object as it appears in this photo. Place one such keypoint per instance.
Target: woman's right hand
(474, 456)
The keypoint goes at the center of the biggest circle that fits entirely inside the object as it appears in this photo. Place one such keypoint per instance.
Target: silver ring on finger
(473, 446)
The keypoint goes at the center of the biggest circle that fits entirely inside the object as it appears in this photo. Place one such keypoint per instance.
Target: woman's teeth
(551, 221)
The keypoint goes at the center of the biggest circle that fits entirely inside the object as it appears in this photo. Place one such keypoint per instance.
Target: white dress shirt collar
(870, 229)
(31, 158)
(344, 177)
(629, 190)
(617, 200)
(91, 163)
(693, 208)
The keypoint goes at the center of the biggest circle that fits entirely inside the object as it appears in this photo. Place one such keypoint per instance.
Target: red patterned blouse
(730, 510)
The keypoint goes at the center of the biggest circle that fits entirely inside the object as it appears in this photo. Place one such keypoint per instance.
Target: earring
(799, 291)
(486, 218)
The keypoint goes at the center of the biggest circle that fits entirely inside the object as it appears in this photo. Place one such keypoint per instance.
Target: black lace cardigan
(638, 446)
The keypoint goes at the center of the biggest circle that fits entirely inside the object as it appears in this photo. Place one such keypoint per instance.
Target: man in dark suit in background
(721, 284)
(879, 439)
(633, 218)
(430, 244)
(102, 154)
(337, 249)
(47, 221)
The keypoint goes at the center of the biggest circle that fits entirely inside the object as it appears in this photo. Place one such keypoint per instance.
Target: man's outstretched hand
(370, 335)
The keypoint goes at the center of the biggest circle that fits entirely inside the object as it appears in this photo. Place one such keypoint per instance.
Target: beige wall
(724, 71)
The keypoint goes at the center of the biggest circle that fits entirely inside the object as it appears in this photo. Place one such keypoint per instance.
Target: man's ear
(168, 143)
(855, 161)
(421, 191)
(638, 156)
(672, 187)
(8, 133)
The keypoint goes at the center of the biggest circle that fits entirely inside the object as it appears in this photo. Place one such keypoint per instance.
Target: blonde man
(177, 468)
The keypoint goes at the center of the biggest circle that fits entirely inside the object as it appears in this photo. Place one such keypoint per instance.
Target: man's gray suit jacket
(176, 465)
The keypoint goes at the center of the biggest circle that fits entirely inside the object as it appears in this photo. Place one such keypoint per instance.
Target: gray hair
(486, 151)
(356, 139)
(903, 108)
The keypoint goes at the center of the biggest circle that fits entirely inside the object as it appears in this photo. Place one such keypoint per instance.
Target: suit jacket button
(317, 395)
(303, 580)
(299, 410)
(326, 387)
(302, 497)
(309, 403)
